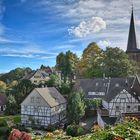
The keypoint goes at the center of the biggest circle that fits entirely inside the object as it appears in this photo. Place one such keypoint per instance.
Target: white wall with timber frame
(124, 102)
(35, 110)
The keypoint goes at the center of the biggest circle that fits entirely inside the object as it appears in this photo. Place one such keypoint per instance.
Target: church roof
(132, 45)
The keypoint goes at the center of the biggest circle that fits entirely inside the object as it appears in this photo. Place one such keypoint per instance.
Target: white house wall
(100, 121)
(105, 104)
(39, 112)
(120, 104)
(37, 78)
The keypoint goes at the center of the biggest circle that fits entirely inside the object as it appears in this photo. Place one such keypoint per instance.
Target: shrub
(16, 119)
(4, 131)
(49, 135)
(57, 132)
(3, 122)
(74, 130)
(51, 128)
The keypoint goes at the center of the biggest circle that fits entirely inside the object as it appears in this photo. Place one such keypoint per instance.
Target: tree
(53, 81)
(66, 62)
(90, 63)
(11, 105)
(76, 107)
(2, 86)
(15, 74)
(23, 88)
(65, 89)
(117, 63)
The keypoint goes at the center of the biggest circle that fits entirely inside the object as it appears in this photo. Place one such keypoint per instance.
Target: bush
(16, 119)
(74, 130)
(51, 128)
(3, 122)
(4, 131)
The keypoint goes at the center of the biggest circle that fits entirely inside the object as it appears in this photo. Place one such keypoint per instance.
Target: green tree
(53, 81)
(92, 103)
(65, 89)
(23, 88)
(11, 105)
(90, 63)
(117, 63)
(66, 63)
(76, 107)
(15, 74)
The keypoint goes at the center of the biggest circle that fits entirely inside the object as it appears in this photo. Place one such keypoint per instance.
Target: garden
(128, 129)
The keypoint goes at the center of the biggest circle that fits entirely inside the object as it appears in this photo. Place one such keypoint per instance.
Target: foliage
(11, 105)
(3, 86)
(119, 67)
(92, 103)
(95, 62)
(53, 81)
(65, 89)
(12, 84)
(91, 62)
(23, 88)
(76, 107)
(51, 128)
(66, 63)
(15, 74)
(74, 130)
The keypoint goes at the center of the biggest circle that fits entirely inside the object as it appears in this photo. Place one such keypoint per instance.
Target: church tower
(133, 50)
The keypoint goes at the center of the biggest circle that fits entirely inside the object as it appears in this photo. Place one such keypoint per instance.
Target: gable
(37, 75)
(124, 96)
(34, 99)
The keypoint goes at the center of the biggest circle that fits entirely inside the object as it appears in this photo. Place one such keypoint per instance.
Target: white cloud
(104, 43)
(95, 24)
(19, 55)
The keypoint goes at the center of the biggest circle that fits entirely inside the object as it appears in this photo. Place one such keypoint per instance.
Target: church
(133, 50)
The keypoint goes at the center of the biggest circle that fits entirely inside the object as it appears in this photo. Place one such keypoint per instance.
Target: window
(116, 85)
(25, 108)
(139, 108)
(38, 99)
(32, 99)
(117, 108)
(35, 109)
(37, 76)
(128, 107)
(97, 84)
(35, 81)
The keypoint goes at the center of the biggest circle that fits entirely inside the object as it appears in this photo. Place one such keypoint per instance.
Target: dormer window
(116, 85)
(97, 84)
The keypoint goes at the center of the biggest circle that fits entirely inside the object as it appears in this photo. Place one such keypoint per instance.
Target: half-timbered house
(43, 106)
(121, 99)
(37, 77)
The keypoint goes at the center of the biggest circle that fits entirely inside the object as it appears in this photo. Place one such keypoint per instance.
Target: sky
(34, 32)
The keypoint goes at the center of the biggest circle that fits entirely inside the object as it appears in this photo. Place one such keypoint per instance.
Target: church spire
(132, 45)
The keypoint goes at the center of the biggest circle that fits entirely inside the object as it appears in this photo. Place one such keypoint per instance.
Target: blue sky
(34, 32)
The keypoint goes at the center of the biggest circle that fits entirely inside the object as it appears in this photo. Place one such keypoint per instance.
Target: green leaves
(76, 107)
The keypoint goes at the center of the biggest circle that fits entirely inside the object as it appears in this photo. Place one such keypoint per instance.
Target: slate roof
(29, 75)
(109, 120)
(3, 99)
(43, 73)
(132, 45)
(110, 86)
(47, 70)
(51, 96)
(116, 85)
(89, 85)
